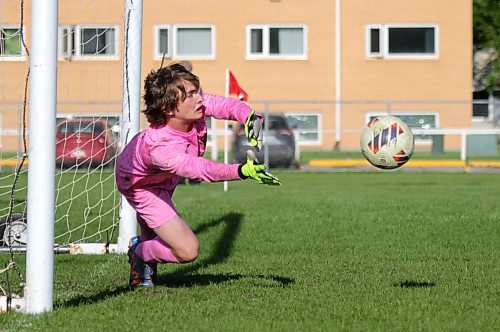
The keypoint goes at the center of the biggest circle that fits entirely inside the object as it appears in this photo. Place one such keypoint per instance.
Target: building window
(375, 42)
(67, 42)
(10, 43)
(402, 41)
(163, 42)
(185, 41)
(98, 42)
(307, 125)
(272, 41)
(415, 120)
(193, 42)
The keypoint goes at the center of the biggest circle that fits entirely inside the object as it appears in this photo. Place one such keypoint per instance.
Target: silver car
(279, 140)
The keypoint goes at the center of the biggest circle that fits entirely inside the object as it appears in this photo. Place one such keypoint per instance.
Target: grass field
(325, 251)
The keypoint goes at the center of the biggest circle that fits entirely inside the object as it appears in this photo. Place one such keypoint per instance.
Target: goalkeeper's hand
(253, 130)
(252, 169)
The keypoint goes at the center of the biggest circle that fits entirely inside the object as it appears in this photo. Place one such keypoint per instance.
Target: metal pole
(131, 106)
(226, 126)
(39, 290)
(463, 146)
(266, 132)
(215, 150)
(296, 136)
(491, 107)
(338, 91)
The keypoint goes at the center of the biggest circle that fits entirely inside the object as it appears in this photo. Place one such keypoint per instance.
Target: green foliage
(486, 23)
(379, 251)
(486, 15)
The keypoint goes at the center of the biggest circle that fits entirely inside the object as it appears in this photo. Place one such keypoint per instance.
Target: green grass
(93, 194)
(324, 252)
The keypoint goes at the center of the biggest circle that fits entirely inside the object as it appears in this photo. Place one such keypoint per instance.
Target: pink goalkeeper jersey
(158, 155)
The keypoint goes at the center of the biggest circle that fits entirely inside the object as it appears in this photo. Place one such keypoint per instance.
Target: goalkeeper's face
(191, 108)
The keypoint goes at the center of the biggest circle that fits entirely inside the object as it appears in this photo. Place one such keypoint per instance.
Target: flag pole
(226, 184)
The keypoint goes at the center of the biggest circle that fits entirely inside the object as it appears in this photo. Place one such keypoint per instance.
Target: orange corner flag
(235, 90)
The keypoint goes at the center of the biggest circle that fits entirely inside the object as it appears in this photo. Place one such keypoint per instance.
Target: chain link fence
(292, 127)
(298, 128)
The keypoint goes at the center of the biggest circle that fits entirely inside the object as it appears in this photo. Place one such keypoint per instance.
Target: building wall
(448, 77)
(85, 85)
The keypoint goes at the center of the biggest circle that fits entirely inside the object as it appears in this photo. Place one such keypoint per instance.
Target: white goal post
(131, 105)
(41, 170)
(41, 220)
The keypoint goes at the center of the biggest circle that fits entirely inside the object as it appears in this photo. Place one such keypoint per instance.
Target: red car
(86, 142)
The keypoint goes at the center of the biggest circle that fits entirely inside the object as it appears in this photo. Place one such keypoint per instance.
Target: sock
(155, 251)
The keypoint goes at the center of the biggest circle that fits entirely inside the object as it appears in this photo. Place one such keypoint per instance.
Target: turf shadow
(223, 247)
(414, 284)
(176, 280)
(184, 276)
(91, 299)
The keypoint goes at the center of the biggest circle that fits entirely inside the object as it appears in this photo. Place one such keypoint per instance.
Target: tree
(486, 21)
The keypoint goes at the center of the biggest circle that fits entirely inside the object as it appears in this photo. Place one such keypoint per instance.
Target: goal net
(93, 107)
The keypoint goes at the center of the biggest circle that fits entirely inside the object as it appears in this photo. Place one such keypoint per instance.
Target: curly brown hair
(164, 89)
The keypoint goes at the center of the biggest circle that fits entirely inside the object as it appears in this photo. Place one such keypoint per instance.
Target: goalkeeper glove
(253, 130)
(252, 169)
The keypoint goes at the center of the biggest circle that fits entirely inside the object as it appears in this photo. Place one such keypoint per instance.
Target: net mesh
(87, 136)
(13, 187)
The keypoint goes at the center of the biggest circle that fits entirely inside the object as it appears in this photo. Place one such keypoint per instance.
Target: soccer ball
(387, 142)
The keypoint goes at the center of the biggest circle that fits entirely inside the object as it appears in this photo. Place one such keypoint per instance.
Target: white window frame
(175, 54)
(60, 44)
(368, 41)
(156, 37)
(77, 32)
(319, 129)
(265, 41)
(384, 41)
(12, 57)
(418, 141)
(210, 130)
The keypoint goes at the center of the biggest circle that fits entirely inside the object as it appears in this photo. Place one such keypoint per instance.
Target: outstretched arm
(232, 109)
(253, 130)
(252, 169)
(225, 108)
(174, 160)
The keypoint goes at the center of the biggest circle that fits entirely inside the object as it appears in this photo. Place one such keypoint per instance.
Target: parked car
(279, 140)
(85, 141)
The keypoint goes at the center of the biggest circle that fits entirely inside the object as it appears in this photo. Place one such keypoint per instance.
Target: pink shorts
(154, 206)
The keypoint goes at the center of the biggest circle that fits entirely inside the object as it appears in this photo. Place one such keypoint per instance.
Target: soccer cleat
(141, 274)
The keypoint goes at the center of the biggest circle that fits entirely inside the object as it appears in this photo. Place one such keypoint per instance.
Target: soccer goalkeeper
(173, 145)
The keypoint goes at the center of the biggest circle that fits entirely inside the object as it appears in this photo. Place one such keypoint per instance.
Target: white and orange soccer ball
(387, 142)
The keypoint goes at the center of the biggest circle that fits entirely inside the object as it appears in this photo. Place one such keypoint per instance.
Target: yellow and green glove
(253, 170)
(253, 130)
